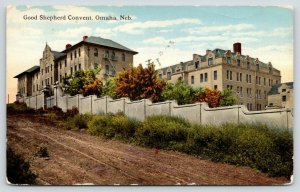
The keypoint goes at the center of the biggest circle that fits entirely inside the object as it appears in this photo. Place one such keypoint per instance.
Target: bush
(18, 170)
(160, 131)
(42, 151)
(71, 112)
(111, 126)
(79, 121)
(19, 108)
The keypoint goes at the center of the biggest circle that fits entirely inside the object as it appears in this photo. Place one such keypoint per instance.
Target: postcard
(149, 95)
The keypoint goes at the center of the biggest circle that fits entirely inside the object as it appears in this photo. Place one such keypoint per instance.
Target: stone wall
(199, 113)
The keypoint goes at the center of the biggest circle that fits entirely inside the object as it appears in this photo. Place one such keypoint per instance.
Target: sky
(165, 34)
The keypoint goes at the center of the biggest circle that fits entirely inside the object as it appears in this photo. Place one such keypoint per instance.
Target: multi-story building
(250, 78)
(89, 53)
(281, 96)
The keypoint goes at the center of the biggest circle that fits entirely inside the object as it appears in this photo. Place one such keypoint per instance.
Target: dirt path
(78, 158)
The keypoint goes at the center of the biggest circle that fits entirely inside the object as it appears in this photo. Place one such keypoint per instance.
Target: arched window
(123, 56)
(96, 52)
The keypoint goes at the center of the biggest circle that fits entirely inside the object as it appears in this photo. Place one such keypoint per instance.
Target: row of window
(258, 106)
(47, 69)
(75, 53)
(107, 55)
(48, 81)
(239, 77)
(239, 91)
(204, 77)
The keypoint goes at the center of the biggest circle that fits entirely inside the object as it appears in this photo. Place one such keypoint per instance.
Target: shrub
(160, 131)
(212, 97)
(79, 121)
(71, 112)
(111, 126)
(109, 88)
(19, 108)
(227, 98)
(42, 151)
(18, 170)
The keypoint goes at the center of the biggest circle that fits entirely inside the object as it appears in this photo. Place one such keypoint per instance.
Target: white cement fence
(197, 113)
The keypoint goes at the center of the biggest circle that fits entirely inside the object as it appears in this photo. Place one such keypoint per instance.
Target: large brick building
(87, 54)
(250, 78)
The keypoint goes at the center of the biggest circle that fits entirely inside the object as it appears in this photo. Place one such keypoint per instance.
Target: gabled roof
(274, 89)
(58, 54)
(30, 70)
(104, 42)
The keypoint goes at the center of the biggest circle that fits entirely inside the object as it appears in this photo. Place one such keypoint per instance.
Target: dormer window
(257, 66)
(228, 60)
(196, 64)
(238, 61)
(248, 65)
(210, 61)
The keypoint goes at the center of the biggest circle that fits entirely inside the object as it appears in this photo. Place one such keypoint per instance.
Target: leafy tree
(228, 98)
(73, 84)
(139, 83)
(109, 88)
(212, 97)
(81, 82)
(181, 92)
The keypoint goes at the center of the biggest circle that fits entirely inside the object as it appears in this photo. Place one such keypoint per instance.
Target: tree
(81, 82)
(228, 98)
(109, 88)
(212, 97)
(139, 83)
(181, 92)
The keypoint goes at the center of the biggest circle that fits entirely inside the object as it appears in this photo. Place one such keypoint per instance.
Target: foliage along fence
(196, 113)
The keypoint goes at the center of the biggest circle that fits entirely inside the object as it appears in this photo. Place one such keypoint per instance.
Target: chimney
(237, 48)
(68, 46)
(84, 37)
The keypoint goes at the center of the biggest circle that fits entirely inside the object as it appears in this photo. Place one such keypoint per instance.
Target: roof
(104, 42)
(58, 54)
(274, 89)
(30, 70)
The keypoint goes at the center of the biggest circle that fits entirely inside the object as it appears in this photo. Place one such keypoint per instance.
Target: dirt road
(78, 158)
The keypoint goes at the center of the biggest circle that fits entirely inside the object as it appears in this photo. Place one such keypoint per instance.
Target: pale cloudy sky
(170, 33)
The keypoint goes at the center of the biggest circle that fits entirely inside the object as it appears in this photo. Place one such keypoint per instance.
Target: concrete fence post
(106, 105)
(200, 113)
(145, 112)
(238, 114)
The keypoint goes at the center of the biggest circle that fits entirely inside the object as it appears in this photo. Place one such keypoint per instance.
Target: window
(123, 56)
(71, 70)
(241, 91)
(75, 68)
(79, 53)
(230, 75)
(228, 60)
(210, 61)
(173, 69)
(96, 52)
(201, 77)
(113, 55)
(60, 78)
(106, 54)
(65, 63)
(37, 87)
(169, 75)
(271, 104)
(205, 77)
(264, 81)
(75, 54)
(247, 78)
(60, 65)
(227, 74)
(259, 80)
(51, 80)
(283, 90)
(250, 78)
(265, 94)
(51, 67)
(238, 62)
(65, 74)
(257, 67)
(256, 81)
(196, 64)
(71, 56)
(238, 90)
(192, 79)
(284, 98)
(237, 76)
(248, 65)
(215, 75)
(241, 77)
(215, 87)
(79, 66)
